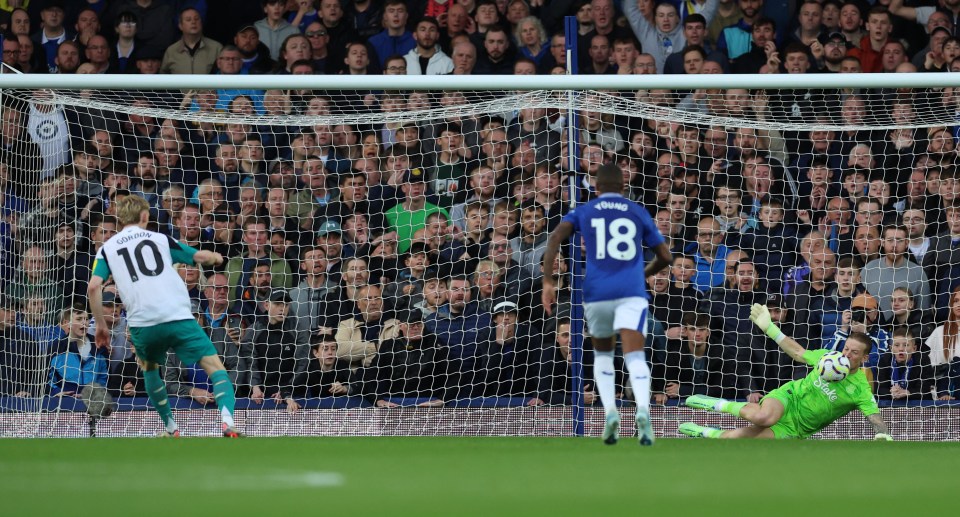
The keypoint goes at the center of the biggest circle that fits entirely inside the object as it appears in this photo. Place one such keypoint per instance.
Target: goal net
(383, 250)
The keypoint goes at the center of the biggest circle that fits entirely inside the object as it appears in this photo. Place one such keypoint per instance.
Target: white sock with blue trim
(604, 374)
(639, 378)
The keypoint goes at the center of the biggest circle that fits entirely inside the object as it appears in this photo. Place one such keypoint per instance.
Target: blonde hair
(130, 208)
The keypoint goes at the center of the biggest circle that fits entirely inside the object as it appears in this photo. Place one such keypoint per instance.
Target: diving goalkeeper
(799, 408)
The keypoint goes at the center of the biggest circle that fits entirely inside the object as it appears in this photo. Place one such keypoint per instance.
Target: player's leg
(599, 316)
(223, 389)
(192, 345)
(765, 414)
(151, 349)
(157, 392)
(715, 404)
(631, 322)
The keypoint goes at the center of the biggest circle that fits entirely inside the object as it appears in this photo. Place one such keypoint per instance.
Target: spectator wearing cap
(515, 359)
(426, 58)
(395, 39)
(411, 215)
(894, 269)
(834, 52)
(279, 344)
(329, 237)
(256, 55)
(194, 53)
(863, 317)
(51, 34)
(272, 29)
(411, 365)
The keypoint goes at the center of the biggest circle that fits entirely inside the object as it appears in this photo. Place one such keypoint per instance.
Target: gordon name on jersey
(141, 263)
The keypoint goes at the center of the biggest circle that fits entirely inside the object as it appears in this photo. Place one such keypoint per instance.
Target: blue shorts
(609, 316)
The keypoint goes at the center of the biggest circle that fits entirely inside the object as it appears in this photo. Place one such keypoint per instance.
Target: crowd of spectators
(401, 261)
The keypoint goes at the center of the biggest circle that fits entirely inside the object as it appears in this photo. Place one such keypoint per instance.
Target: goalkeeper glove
(883, 437)
(760, 316)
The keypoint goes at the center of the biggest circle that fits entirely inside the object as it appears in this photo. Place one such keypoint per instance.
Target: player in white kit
(158, 308)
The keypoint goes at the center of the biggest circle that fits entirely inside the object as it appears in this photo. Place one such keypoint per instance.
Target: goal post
(383, 237)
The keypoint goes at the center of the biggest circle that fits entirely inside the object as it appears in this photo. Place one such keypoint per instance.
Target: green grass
(473, 476)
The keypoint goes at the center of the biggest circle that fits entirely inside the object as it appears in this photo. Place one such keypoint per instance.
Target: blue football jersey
(614, 229)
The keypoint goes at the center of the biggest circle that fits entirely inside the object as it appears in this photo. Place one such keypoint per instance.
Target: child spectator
(80, 363)
(773, 244)
(905, 314)
(904, 372)
(327, 376)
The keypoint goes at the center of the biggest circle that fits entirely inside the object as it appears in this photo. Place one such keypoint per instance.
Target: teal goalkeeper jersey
(818, 403)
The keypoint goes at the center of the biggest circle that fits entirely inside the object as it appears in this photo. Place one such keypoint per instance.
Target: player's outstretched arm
(208, 258)
(883, 433)
(760, 316)
(560, 234)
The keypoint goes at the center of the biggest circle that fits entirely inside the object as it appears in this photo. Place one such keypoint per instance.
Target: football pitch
(473, 476)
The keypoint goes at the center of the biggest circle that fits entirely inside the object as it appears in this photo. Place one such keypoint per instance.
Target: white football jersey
(141, 263)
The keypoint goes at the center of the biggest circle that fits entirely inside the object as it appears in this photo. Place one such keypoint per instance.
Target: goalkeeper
(799, 408)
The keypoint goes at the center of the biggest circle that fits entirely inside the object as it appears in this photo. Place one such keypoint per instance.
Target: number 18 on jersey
(614, 230)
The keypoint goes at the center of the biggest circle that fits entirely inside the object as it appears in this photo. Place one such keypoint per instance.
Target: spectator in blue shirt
(80, 363)
(710, 255)
(395, 40)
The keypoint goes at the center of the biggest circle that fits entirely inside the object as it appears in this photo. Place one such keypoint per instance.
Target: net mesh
(786, 198)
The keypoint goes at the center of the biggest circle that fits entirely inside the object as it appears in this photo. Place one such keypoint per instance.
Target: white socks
(226, 417)
(605, 376)
(639, 378)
